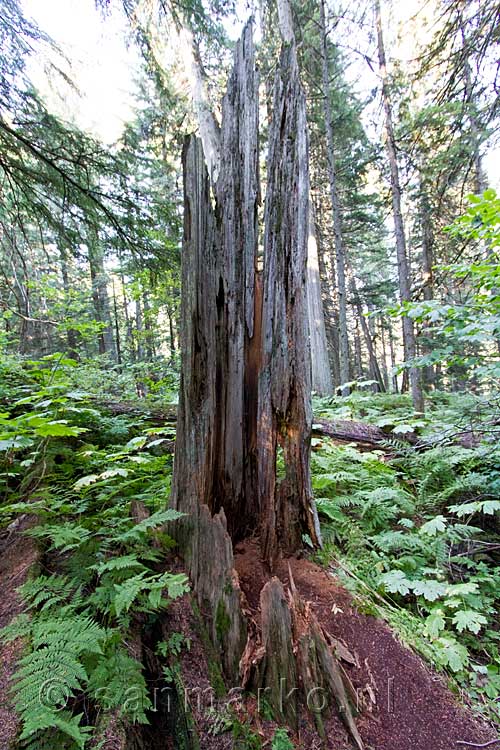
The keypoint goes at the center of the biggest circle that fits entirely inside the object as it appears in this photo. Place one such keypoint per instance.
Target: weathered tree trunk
(215, 461)
(246, 381)
(321, 373)
(336, 211)
(409, 339)
(285, 414)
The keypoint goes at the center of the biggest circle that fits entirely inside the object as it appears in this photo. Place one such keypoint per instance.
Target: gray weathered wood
(287, 508)
(215, 464)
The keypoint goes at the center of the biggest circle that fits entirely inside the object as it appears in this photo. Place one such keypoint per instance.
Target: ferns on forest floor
(104, 570)
(418, 533)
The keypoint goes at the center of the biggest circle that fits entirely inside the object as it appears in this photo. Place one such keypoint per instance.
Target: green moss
(222, 621)
(213, 662)
(185, 729)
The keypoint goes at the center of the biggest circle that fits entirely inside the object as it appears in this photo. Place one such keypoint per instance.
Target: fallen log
(365, 436)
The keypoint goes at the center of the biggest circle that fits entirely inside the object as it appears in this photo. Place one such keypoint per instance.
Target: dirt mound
(403, 704)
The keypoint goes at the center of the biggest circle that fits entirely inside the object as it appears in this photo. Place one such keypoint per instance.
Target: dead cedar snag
(245, 384)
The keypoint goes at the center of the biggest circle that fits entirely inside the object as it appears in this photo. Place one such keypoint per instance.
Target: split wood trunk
(244, 403)
(246, 377)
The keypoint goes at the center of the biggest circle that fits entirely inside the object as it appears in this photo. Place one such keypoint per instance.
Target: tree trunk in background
(321, 373)
(336, 212)
(375, 373)
(171, 333)
(71, 334)
(480, 177)
(358, 359)
(148, 328)
(330, 311)
(427, 269)
(385, 373)
(117, 327)
(409, 339)
(395, 386)
(139, 330)
(100, 297)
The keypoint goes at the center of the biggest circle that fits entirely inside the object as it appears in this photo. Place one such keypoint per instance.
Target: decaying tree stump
(285, 414)
(245, 385)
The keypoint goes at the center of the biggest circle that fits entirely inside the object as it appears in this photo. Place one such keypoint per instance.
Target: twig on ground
(475, 744)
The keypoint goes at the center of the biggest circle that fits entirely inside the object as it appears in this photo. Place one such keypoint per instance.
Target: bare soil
(403, 704)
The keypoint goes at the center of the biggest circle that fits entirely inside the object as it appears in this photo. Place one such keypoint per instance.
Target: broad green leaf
(396, 582)
(452, 654)
(469, 619)
(59, 428)
(403, 429)
(110, 473)
(435, 525)
(86, 481)
(15, 443)
(435, 623)
(430, 590)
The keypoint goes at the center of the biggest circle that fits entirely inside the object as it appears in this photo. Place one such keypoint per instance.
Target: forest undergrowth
(411, 530)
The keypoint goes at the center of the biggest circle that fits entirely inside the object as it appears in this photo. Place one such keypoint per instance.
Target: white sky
(104, 68)
(101, 65)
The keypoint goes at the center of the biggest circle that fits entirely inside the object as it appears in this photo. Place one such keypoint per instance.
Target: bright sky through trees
(99, 62)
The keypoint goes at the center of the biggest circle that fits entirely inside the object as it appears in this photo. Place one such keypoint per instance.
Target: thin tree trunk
(129, 338)
(395, 386)
(372, 356)
(117, 327)
(171, 331)
(480, 178)
(385, 373)
(100, 297)
(71, 334)
(321, 373)
(331, 314)
(139, 329)
(409, 339)
(427, 270)
(148, 328)
(336, 210)
(358, 359)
